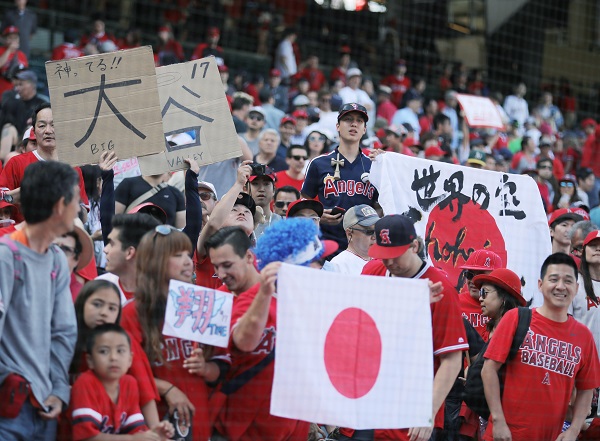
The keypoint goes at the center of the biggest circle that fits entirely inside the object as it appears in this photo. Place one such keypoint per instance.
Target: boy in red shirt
(104, 400)
(558, 354)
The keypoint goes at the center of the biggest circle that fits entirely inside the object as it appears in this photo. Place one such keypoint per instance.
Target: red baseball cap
(223, 68)
(592, 236)
(213, 32)
(10, 30)
(151, 209)
(4, 204)
(505, 279)
(271, 176)
(287, 119)
(564, 214)
(275, 73)
(589, 122)
(483, 260)
(300, 114)
(433, 151)
(394, 234)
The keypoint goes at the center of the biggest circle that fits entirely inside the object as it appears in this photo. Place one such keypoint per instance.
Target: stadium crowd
(87, 253)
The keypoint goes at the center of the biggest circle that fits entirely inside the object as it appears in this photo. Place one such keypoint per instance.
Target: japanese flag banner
(457, 210)
(352, 351)
(480, 111)
(198, 314)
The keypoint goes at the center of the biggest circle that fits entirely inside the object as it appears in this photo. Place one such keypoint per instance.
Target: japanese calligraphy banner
(458, 209)
(198, 314)
(480, 111)
(105, 102)
(388, 385)
(193, 103)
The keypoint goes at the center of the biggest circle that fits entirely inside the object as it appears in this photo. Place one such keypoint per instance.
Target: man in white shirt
(515, 105)
(358, 224)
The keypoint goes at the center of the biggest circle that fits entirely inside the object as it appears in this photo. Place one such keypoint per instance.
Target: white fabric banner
(458, 210)
(353, 351)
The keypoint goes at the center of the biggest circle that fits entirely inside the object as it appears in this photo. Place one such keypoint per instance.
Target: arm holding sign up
(223, 209)
(249, 329)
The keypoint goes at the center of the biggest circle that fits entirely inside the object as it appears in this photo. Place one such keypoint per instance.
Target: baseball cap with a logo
(394, 234)
(353, 107)
(362, 215)
(483, 260)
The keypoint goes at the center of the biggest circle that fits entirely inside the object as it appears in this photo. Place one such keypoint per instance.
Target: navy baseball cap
(246, 200)
(393, 236)
(353, 107)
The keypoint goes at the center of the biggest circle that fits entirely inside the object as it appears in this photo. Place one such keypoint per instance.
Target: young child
(105, 400)
(98, 302)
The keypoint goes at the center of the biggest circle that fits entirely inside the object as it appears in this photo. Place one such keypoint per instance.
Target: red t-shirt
(175, 351)
(448, 332)
(20, 61)
(246, 416)
(92, 411)
(553, 358)
(591, 155)
(12, 175)
(398, 86)
(471, 310)
(66, 51)
(386, 110)
(315, 77)
(205, 273)
(284, 179)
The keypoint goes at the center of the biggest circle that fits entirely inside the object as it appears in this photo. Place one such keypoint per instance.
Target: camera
(258, 169)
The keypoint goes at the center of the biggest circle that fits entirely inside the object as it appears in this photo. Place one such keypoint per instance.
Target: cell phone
(337, 210)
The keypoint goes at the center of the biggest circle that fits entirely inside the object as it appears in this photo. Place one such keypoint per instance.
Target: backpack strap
(17, 257)
(521, 332)
(238, 381)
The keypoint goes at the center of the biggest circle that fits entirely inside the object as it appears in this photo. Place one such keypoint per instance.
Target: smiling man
(557, 354)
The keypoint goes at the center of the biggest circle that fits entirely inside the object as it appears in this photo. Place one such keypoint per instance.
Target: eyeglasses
(483, 293)
(470, 274)
(299, 158)
(69, 251)
(207, 195)
(281, 204)
(365, 232)
(317, 138)
(256, 117)
(567, 184)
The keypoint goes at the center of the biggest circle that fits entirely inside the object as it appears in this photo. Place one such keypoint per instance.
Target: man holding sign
(396, 246)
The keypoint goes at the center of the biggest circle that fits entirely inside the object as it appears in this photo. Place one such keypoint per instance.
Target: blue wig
(294, 240)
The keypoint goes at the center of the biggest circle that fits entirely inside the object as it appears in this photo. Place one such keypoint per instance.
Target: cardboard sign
(198, 314)
(457, 210)
(193, 102)
(480, 111)
(385, 320)
(105, 102)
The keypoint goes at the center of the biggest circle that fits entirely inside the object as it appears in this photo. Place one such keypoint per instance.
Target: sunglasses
(299, 158)
(317, 138)
(207, 195)
(281, 204)
(567, 184)
(256, 117)
(365, 232)
(546, 167)
(483, 293)
(470, 274)
(163, 230)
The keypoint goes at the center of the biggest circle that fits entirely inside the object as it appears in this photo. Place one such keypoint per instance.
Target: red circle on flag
(353, 353)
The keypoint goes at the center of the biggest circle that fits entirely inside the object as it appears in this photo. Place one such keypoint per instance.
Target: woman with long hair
(181, 370)
(586, 304)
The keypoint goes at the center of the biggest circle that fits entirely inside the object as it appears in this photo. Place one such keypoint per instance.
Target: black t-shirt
(169, 199)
